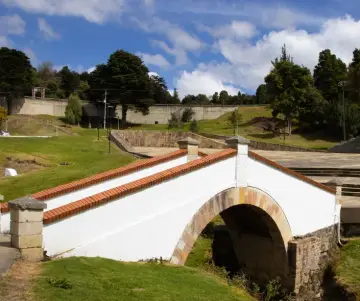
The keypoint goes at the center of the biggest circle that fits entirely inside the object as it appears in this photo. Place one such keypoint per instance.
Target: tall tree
(69, 80)
(288, 85)
(261, 96)
(159, 91)
(127, 80)
(353, 84)
(175, 97)
(16, 74)
(328, 73)
(224, 97)
(45, 73)
(215, 98)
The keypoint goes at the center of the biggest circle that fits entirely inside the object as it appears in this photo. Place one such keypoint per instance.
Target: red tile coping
(135, 186)
(290, 172)
(202, 154)
(101, 177)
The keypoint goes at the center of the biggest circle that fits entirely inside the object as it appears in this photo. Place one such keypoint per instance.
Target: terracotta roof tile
(290, 172)
(95, 179)
(104, 197)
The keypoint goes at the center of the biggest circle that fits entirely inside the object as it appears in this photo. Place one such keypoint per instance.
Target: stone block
(32, 254)
(31, 228)
(24, 216)
(26, 241)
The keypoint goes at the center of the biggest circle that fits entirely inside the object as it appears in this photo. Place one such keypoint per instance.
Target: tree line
(327, 99)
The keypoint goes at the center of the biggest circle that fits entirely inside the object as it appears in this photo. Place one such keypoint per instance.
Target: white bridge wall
(149, 223)
(94, 189)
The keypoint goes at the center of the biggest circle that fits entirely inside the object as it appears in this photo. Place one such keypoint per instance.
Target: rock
(10, 172)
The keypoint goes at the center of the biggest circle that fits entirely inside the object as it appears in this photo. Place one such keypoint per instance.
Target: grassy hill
(47, 162)
(254, 130)
(98, 279)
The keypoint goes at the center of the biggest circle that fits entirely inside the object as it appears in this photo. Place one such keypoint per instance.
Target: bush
(174, 121)
(194, 127)
(73, 111)
(235, 118)
(187, 115)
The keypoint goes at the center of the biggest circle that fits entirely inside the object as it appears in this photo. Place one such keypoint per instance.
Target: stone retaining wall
(165, 139)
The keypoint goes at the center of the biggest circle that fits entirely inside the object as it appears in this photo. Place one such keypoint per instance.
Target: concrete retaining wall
(43, 107)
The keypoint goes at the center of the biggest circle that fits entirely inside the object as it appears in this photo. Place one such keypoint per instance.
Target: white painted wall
(142, 225)
(149, 223)
(88, 191)
(307, 207)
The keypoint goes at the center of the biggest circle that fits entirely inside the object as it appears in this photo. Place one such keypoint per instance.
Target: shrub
(174, 121)
(73, 111)
(187, 115)
(60, 283)
(194, 127)
(235, 118)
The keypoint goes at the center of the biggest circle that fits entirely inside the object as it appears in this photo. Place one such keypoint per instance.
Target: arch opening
(252, 240)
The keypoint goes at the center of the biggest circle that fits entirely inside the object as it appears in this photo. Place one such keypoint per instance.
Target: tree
(189, 99)
(69, 80)
(176, 99)
(16, 74)
(127, 80)
(73, 111)
(235, 118)
(224, 97)
(45, 73)
(353, 84)
(261, 96)
(83, 90)
(288, 86)
(187, 115)
(159, 91)
(202, 99)
(215, 98)
(328, 73)
(3, 114)
(174, 121)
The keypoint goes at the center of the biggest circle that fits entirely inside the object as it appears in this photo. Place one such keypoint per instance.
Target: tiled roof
(101, 177)
(135, 186)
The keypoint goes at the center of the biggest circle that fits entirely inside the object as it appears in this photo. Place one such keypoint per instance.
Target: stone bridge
(281, 223)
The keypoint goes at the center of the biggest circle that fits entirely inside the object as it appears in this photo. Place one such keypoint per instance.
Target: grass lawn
(45, 163)
(97, 279)
(221, 126)
(348, 269)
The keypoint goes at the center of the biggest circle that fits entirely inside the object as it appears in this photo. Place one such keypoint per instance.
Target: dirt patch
(21, 165)
(274, 125)
(16, 284)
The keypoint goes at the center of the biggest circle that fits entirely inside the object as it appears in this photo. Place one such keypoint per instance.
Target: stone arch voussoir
(222, 201)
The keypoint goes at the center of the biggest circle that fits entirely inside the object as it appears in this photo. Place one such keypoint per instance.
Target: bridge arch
(249, 206)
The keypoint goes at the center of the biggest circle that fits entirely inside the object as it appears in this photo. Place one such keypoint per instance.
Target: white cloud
(97, 11)
(201, 82)
(150, 3)
(32, 56)
(153, 73)
(248, 63)
(14, 25)
(47, 31)
(4, 42)
(236, 29)
(91, 69)
(181, 40)
(154, 59)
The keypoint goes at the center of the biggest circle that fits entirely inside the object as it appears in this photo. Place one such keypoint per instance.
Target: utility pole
(105, 109)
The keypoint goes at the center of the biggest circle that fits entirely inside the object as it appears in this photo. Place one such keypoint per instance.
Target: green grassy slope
(57, 160)
(97, 279)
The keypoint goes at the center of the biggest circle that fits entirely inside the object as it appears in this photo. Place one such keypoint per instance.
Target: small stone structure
(26, 227)
(192, 147)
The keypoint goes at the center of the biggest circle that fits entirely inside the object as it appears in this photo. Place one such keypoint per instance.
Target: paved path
(8, 255)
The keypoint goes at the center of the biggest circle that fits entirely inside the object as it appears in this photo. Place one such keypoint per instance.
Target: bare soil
(270, 124)
(22, 166)
(16, 284)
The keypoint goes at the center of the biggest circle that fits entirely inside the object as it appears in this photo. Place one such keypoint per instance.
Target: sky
(198, 46)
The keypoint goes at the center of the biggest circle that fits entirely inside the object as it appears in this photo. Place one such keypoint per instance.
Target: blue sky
(199, 46)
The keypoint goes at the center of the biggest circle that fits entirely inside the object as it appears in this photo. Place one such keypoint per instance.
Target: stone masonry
(26, 227)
